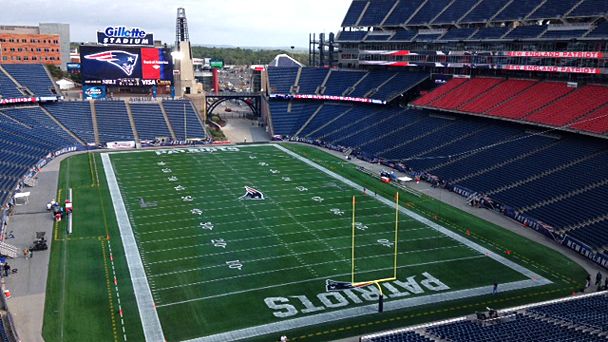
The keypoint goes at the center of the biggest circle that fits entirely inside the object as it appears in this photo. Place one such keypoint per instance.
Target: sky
(250, 23)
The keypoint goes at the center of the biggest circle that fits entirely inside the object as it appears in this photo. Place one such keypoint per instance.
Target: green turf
(287, 244)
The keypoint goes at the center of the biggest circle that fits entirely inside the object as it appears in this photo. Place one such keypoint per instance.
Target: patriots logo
(123, 60)
(252, 194)
(335, 286)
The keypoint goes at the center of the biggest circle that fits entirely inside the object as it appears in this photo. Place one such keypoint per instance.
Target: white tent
(65, 84)
(22, 198)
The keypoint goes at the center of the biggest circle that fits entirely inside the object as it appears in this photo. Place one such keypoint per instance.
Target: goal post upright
(353, 243)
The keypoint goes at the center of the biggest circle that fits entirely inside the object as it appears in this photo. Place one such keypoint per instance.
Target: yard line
(302, 266)
(311, 280)
(257, 228)
(168, 261)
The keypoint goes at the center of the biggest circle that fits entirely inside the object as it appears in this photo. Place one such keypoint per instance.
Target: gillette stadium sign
(121, 35)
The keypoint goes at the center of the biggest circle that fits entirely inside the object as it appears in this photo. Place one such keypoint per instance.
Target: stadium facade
(47, 43)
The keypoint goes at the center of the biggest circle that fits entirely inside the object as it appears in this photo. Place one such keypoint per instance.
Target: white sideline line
(150, 322)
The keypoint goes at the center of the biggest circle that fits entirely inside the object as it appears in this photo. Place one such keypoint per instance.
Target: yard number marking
(318, 199)
(196, 212)
(386, 243)
(301, 189)
(221, 243)
(207, 225)
(336, 211)
(235, 264)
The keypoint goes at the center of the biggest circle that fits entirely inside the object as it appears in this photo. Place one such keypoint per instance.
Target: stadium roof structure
(283, 60)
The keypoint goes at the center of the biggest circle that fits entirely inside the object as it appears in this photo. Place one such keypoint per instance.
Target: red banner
(556, 54)
(151, 64)
(540, 68)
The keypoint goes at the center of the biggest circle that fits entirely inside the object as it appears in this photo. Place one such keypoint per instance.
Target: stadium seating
(497, 95)
(149, 121)
(590, 8)
(177, 112)
(403, 35)
(580, 102)
(517, 328)
(32, 76)
(8, 89)
(341, 80)
(596, 122)
(401, 83)
(354, 12)
(439, 92)
(283, 79)
(601, 31)
(484, 11)
(328, 112)
(404, 9)
(517, 10)
(563, 34)
(351, 36)
(468, 91)
(531, 99)
(458, 34)
(455, 11)
(553, 9)
(310, 80)
(428, 11)
(573, 319)
(76, 116)
(42, 124)
(379, 85)
(526, 32)
(372, 81)
(286, 122)
(374, 15)
(113, 121)
(490, 33)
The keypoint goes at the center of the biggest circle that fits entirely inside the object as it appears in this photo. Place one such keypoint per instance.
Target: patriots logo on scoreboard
(252, 194)
(123, 60)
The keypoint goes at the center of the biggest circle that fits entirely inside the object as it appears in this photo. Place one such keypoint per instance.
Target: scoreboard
(126, 66)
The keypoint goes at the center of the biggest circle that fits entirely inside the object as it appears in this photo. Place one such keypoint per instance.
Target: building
(43, 44)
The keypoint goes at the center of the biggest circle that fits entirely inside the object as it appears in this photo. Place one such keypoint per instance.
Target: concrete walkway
(28, 285)
(243, 130)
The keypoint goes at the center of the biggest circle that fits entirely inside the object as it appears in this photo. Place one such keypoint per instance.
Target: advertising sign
(94, 92)
(121, 35)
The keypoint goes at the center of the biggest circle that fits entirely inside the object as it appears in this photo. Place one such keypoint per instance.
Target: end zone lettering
(284, 307)
(197, 150)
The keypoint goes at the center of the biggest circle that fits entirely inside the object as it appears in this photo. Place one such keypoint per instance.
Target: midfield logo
(252, 194)
(123, 60)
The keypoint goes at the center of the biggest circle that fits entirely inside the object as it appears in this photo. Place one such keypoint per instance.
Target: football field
(230, 243)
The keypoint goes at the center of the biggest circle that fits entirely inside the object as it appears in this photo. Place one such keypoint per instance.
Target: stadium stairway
(295, 87)
(132, 122)
(94, 118)
(167, 121)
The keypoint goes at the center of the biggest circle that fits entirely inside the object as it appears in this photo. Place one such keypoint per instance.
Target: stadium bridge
(252, 100)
